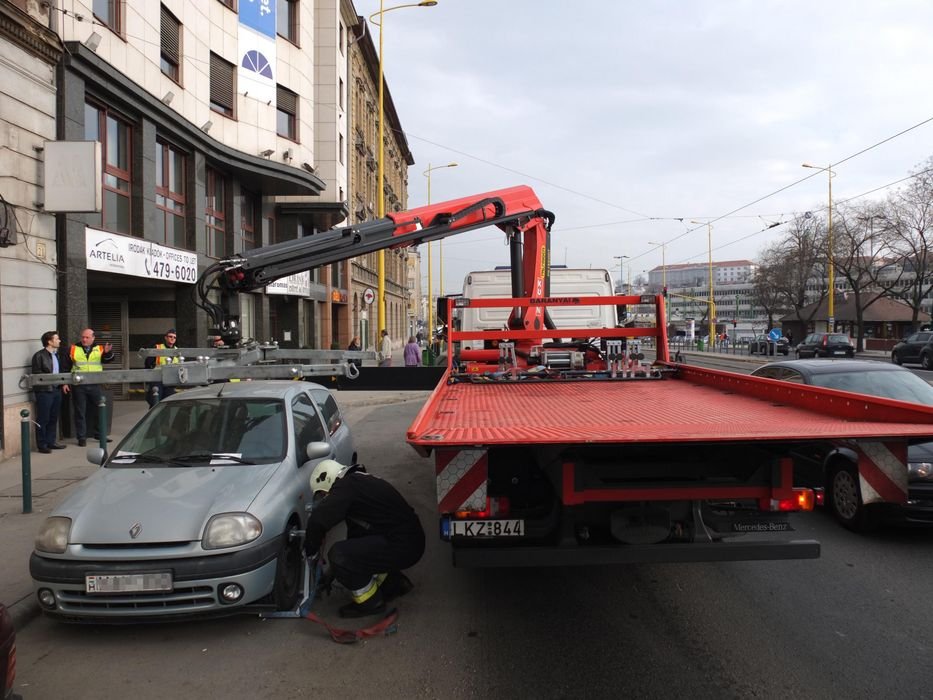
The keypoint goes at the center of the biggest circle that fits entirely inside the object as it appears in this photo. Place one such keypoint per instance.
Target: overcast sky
(626, 116)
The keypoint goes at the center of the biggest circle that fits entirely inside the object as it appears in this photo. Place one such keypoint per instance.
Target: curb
(24, 611)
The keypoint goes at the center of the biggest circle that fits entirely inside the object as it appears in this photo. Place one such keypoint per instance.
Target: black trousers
(85, 399)
(355, 561)
(48, 407)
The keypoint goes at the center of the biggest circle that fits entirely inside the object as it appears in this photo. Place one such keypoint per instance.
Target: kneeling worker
(384, 535)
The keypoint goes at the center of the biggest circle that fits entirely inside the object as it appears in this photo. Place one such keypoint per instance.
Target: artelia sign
(123, 255)
(298, 285)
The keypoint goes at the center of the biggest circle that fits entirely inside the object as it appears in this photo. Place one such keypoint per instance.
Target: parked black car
(916, 348)
(761, 345)
(826, 345)
(836, 467)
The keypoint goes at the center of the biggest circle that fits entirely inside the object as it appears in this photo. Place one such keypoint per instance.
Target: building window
(223, 86)
(110, 14)
(171, 46)
(215, 217)
(286, 19)
(229, 3)
(114, 134)
(340, 94)
(170, 193)
(340, 38)
(341, 148)
(286, 108)
(248, 221)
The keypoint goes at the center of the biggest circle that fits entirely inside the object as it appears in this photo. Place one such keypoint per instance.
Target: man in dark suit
(48, 398)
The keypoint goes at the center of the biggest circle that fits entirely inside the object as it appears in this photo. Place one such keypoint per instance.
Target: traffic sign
(369, 296)
(774, 334)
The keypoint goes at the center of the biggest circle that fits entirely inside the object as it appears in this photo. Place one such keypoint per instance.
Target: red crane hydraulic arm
(515, 210)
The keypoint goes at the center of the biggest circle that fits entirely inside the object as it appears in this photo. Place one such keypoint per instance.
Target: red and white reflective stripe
(461, 480)
(882, 471)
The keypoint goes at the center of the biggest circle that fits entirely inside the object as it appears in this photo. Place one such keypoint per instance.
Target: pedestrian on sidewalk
(412, 353)
(384, 535)
(385, 350)
(354, 346)
(48, 398)
(88, 357)
(156, 391)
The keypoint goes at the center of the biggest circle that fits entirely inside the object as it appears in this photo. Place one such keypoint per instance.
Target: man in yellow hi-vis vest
(88, 357)
(156, 391)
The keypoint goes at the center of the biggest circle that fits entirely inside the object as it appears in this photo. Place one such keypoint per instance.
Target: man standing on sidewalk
(48, 398)
(156, 391)
(385, 350)
(88, 357)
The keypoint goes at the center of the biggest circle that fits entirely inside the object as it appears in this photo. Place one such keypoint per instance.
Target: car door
(338, 431)
(915, 344)
(307, 427)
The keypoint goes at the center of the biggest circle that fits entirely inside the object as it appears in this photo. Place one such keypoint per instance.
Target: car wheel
(895, 359)
(926, 360)
(845, 499)
(288, 571)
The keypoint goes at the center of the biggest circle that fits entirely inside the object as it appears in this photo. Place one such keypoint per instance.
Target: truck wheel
(287, 571)
(845, 499)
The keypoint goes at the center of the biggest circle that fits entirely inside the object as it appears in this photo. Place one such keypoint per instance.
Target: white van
(497, 284)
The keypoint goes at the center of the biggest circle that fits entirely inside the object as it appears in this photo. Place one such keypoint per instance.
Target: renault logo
(135, 530)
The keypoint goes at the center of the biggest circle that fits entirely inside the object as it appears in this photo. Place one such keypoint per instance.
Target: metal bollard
(27, 463)
(102, 422)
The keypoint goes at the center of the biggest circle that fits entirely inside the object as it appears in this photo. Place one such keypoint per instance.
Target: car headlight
(230, 530)
(920, 470)
(53, 535)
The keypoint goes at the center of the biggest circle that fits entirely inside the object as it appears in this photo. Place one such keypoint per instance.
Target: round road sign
(369, 296)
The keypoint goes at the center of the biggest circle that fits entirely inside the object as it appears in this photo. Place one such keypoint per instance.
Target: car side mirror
(96, 455)
(315, 450)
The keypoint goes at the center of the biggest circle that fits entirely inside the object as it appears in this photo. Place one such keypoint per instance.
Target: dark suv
(916, 348)
(826, 345)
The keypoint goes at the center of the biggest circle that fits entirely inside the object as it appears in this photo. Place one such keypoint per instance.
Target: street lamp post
(663, 263)
(381, 255)
(427, 174)
(620, 258)
(830, 268)
(712, 301)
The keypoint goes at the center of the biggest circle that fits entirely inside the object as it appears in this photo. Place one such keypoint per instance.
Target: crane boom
(515, 210)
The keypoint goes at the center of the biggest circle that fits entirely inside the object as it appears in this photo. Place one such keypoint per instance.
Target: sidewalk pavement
(56, 475)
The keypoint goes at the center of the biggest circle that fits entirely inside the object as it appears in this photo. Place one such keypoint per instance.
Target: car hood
(168, 504)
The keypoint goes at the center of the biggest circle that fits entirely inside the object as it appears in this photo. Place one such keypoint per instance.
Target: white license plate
(488, 528)
(128, 583)
(839, 352)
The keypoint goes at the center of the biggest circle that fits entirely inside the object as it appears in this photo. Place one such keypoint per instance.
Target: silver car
(194, 511)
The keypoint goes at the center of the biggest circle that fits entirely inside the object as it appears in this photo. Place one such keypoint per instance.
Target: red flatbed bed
(690, 404)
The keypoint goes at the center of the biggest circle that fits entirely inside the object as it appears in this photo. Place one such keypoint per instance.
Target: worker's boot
(395, 585)
(373, 605)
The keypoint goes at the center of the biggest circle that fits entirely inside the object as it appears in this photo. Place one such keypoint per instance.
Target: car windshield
(839, 339)
(903, 386)
(212, 430)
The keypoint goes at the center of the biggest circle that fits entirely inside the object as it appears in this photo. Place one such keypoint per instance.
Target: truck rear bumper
(634, 554)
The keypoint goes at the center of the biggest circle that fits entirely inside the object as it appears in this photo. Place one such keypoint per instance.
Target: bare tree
(862, 257)
(792, 267)
(909, 219)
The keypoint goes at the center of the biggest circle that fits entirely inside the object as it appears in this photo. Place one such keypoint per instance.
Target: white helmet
(325, 474)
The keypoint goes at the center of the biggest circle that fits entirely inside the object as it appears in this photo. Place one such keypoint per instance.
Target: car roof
(271, 388)
(813, 367)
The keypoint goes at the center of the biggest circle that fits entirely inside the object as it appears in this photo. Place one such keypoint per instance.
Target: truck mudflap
(478, 557)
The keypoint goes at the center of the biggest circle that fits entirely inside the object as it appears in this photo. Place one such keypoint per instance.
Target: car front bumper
(196, 584)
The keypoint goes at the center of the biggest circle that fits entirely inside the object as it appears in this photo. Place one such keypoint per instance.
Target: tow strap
(386, 626)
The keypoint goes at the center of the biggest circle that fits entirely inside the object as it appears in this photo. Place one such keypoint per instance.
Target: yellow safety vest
(164, 360)
(91, 361)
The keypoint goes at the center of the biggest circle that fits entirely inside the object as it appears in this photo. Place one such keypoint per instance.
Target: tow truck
(556, 452)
